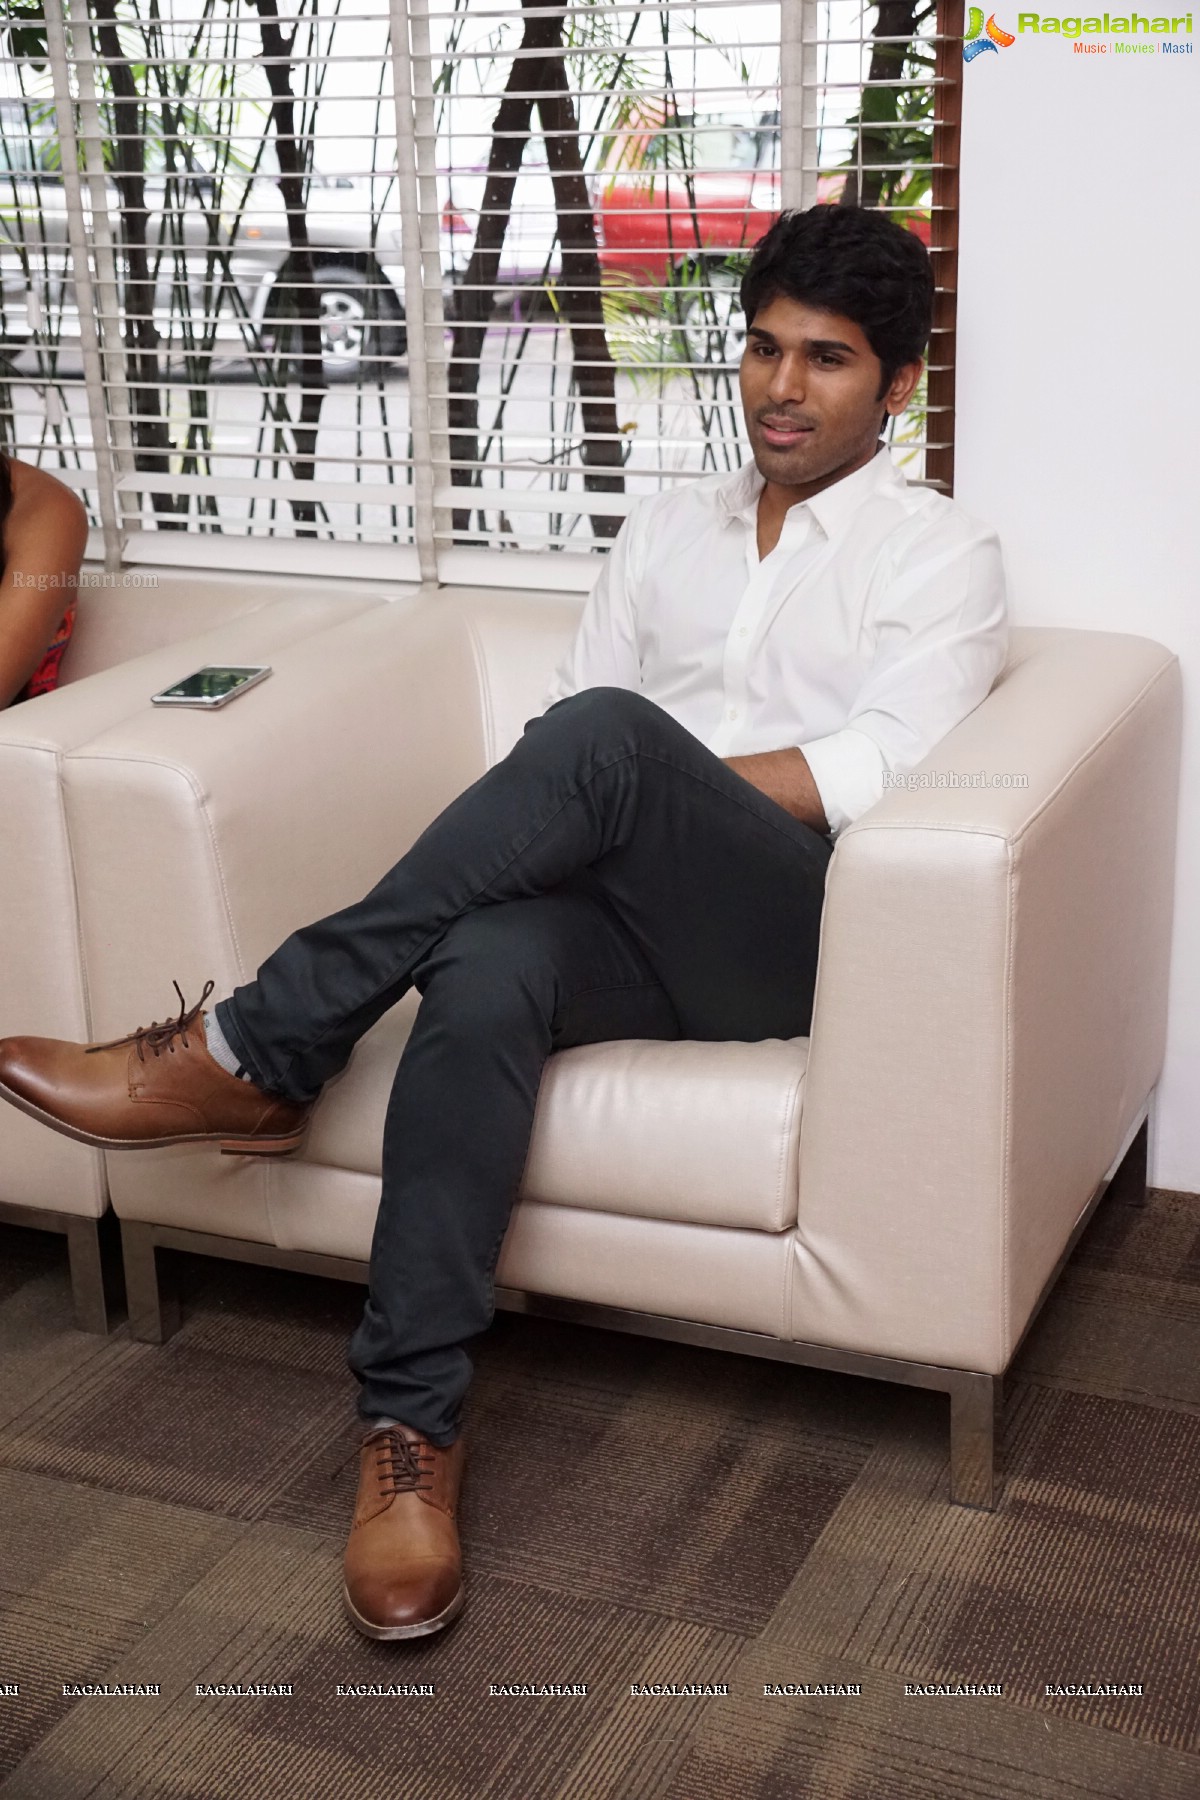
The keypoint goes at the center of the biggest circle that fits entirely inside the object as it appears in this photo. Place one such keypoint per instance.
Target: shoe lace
(156, 1037)
(403, 1464)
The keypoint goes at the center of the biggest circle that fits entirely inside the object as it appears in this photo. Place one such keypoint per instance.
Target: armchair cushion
(708, 1134)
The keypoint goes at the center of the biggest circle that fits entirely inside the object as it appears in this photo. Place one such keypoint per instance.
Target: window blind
(429, 290)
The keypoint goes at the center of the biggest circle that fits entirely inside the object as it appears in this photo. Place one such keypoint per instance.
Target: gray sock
(370, 1425)
(220, 1051)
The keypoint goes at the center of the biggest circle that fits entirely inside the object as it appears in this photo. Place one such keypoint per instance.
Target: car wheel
(705, 298)
(363, 335)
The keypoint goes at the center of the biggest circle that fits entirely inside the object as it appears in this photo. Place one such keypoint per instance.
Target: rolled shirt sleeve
(605, 649)
(940, 641)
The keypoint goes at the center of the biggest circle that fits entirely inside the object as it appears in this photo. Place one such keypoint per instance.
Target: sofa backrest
(119, 617)
(516, 644)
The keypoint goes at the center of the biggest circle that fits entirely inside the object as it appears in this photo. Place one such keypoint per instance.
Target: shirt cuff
(847, 769)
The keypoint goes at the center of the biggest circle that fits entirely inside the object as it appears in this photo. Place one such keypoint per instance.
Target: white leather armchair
(129, 642)
(892, 1197)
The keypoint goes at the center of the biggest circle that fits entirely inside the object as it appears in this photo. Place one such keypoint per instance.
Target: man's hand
(784, 776)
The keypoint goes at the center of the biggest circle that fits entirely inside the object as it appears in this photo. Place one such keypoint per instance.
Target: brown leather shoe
(157, 1086)
(403, 1562)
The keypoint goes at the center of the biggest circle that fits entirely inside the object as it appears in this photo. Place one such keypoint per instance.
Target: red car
(664, 230)
(653, 219)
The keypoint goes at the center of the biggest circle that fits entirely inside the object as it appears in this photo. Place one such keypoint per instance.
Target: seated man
(648, 862)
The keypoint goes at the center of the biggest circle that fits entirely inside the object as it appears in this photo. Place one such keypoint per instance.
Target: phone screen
(209, 684)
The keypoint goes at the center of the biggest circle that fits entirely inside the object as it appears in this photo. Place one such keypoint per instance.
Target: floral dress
(45, 676)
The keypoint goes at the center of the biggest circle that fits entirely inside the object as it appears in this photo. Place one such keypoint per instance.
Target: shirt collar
(832, 508)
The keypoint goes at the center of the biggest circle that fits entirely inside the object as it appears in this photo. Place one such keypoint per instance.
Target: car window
(724, 147)
(716, 144)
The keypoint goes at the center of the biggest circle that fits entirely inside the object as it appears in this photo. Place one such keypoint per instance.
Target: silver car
(225, 281)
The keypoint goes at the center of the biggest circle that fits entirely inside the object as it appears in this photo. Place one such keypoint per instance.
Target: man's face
(810, 391)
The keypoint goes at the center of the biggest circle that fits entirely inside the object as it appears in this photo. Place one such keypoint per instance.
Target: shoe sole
(394, 1633)
(230, 1146)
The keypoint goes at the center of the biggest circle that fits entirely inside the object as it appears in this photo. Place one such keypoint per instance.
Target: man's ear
(903, 386)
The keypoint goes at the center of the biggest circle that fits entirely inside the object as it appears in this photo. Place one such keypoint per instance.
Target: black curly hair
(853, 261)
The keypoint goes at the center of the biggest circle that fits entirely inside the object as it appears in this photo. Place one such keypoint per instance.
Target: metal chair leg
(153, 1314)
(974, 1415)
(1128, 1185)
(89, 1291)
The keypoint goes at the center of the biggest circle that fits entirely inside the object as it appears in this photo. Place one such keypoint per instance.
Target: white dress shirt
(872, 628)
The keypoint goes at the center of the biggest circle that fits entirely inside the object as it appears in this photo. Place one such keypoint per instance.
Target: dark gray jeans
(611, 878)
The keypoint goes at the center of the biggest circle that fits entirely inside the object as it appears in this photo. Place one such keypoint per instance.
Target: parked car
(652, 215)
(678, 207)
(655, 214)
(236, 254)
(686, 231)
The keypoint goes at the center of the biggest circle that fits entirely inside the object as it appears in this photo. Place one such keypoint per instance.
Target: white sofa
(892, 1197)
(134, 635)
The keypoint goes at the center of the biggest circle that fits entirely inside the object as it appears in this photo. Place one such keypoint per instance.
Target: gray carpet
(634, 1512)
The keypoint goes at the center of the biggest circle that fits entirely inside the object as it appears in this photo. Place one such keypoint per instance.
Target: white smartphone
(210, 687)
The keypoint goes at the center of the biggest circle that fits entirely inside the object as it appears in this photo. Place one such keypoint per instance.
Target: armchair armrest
(991, 1004)
(37, 898)
(202, 840)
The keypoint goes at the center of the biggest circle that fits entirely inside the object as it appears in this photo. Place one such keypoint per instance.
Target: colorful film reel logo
(979, 37)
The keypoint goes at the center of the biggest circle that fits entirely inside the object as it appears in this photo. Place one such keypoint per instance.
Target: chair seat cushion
(704, 1133)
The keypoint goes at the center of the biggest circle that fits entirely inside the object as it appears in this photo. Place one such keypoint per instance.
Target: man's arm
(785, 777)
(45, 536)
(940, 633)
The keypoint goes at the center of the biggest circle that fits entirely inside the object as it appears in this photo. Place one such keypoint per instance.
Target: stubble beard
(813, 460)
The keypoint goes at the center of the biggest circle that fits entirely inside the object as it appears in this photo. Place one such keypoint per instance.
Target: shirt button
(732, 713)
(742, 631)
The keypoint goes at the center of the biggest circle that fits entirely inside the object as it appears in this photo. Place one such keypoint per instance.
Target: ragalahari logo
(974, 40)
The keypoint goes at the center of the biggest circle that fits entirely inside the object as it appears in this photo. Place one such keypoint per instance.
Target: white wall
(1079, 396)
